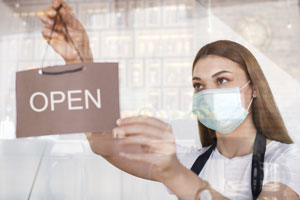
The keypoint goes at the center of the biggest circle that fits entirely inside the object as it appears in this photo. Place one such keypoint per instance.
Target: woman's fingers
(50, 12)
(143, 157)
(148, 144)
(60, 34)
(45, 18)
(136, 140)
(131, 129)
(66, 13)
(46, 21)
(66, 45)
(145, 141)
(149, 126)
(59, 43)
(56, 35)
(57, 3)
(141, 119)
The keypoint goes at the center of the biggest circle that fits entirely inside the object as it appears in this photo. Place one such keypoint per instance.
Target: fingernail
(114, 133)
(50, 12)
(88, 134)
(121, 141)
(118, 133)
(56, 3)
(118, 122)
(122, 154)
(50, 22)
(40, 13)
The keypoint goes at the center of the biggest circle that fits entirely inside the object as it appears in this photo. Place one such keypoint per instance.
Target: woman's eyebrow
(196, 78)
(220, 72)
(216, 74)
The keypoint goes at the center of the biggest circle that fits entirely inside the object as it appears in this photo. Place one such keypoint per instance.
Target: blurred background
(155, 42)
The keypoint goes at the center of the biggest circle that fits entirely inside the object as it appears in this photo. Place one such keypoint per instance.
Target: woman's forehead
(211, 64)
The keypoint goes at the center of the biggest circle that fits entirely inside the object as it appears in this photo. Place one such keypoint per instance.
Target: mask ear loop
(252, 96)
(245, 85)
(250, 103)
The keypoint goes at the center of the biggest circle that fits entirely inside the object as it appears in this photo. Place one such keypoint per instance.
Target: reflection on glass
(186, 100)
(153, 73)
(153, 13)
(119, 14)
(171, 100)
(122, 73)
(136, 13)
(116, 44)
(95, 15)
(7, 128)
(136, 78)
(95, 43)
(27, 48)
(154, 98)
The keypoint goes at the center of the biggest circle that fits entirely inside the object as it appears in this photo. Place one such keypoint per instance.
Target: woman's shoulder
(187, 154)
(276, 151)
(282, 164)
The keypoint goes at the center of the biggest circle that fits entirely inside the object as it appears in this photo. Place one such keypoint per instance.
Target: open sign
(80, 101)
(59, 97)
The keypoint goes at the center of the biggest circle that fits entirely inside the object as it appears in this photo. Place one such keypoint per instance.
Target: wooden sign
(67, 99)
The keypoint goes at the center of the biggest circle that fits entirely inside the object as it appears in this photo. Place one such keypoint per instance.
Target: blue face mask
(220, 109)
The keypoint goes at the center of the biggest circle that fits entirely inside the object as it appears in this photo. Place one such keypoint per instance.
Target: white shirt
(232, 177)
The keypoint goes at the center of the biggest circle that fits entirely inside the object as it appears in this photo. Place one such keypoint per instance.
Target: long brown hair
(266, 116)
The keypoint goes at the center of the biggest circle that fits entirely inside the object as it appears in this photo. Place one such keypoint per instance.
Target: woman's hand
(155, 160)
(159, 151)
(157, 141)
(60, 41)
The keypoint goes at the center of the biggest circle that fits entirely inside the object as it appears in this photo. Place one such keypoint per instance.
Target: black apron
(257, 170)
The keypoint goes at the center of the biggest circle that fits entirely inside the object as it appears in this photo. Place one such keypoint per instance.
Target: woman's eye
(197, 86)
(221, 80)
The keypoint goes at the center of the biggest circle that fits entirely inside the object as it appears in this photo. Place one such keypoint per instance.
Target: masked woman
(247, 152)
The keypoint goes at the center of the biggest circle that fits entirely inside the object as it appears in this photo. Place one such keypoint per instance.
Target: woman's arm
(108, 147)
(159, 150)
(101, 143)
(188, 186)
(275, 190)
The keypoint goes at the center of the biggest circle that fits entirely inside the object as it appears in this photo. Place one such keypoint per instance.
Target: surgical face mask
(220, 109)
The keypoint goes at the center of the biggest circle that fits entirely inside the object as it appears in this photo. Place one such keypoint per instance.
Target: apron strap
(202, 159)
(257, 169)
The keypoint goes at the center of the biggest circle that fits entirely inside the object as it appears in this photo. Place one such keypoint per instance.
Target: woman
(236, 114)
